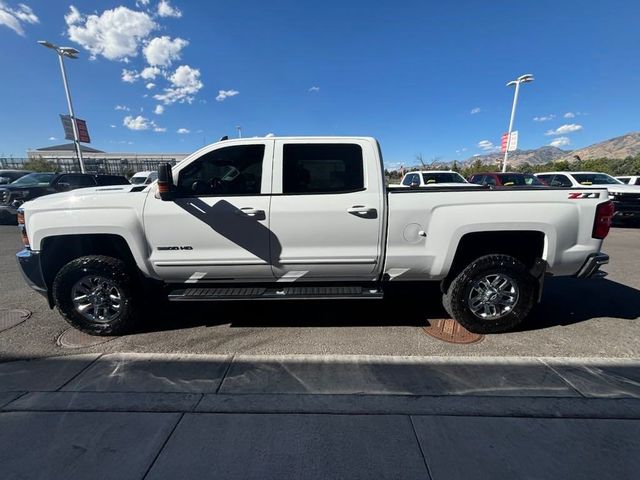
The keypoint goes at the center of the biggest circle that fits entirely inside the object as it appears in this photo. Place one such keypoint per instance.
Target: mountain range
(618, 147)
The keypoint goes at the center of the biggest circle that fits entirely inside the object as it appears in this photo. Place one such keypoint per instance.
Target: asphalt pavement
(577, 318)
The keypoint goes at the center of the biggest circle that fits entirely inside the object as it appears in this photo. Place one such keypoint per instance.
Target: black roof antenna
(222, 139)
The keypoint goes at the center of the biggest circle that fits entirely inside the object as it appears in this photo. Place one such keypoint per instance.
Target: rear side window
(322, 168)
(489, 180)
(561, 181)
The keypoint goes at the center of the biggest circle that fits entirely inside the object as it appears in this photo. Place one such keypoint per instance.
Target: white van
(144, 178)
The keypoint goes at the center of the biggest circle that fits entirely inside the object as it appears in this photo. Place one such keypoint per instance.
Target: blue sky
(407, 72)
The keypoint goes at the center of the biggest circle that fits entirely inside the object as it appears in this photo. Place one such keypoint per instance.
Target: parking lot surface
(577, 318)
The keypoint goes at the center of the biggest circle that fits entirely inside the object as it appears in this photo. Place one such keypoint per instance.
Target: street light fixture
(526, 78)
(72, 53)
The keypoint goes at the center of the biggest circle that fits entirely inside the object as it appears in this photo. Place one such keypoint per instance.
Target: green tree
(39, 164)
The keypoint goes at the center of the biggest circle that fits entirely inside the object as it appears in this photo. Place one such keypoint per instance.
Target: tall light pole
(72, 53)
(239, 128)
(521, 79)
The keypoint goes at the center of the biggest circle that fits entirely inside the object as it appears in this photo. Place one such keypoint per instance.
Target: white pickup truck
(303, 218)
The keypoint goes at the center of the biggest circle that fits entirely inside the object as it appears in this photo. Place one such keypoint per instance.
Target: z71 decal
(577, 195)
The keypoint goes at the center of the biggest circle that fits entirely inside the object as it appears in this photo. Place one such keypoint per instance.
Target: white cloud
(52, 138)
(150, 73)
(544, 118)
(269, 135)
(159, 129)
(183, 131)
(475, 110)
(560, 142)
(185, 83)
(159, 110)
(486, 145)
(564, 129)
(569, 115)
(137, 123)
(112, 126)
(224, 94)
(129, 76)
(142, 3)
(166, 10)
(15, 17)
(314, 89)
(122, 107)
(115, 34)
(74, 16)
(150, 85)
(163, 50)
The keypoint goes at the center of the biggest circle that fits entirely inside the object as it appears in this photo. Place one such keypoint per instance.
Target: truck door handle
(361, 210)
(249, 211)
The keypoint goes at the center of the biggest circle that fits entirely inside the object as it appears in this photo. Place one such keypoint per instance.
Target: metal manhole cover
(449, 330)
(73, 338)
(11, 318)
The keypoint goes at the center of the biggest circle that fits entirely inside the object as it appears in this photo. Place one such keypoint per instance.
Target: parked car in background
(35, 185)
(433, 178)
(507, 179)
(630, 179)
(626, 198)
(143, 178)
(8, 176)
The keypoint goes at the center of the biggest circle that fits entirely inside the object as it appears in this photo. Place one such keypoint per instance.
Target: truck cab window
(233, 170)
(322, 168)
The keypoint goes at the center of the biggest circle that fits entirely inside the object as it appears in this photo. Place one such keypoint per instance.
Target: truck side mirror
(414, 183)
(166, 188)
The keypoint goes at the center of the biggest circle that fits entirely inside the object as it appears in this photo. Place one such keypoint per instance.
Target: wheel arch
(58, 250)
(528, 246)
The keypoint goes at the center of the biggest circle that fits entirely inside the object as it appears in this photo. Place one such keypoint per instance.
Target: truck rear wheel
(96, 294)
(492, 295)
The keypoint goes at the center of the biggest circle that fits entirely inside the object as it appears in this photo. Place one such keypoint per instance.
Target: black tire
(114, 271)
(456, 299)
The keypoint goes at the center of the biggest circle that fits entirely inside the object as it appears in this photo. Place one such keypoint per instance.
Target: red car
(507, 179)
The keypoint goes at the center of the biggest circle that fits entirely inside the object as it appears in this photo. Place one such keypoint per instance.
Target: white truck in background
(303, 218)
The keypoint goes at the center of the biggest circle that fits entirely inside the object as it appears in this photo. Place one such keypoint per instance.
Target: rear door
(326, 210)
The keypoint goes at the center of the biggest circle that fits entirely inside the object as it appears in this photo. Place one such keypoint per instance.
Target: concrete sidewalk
(194, 416)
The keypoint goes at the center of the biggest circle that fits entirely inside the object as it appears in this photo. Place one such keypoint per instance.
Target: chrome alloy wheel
(97, 298)
(493, 296)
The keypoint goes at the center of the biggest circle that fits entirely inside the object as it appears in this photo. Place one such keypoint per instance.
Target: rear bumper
(592, 264)
(31, 269)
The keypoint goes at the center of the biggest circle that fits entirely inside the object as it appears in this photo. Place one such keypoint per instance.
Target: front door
(326, 211)
(217, 229)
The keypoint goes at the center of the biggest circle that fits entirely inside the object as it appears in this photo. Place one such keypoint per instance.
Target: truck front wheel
(492, 295)
(96, 294)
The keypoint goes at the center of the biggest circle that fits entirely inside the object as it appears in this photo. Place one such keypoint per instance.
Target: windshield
(34, 179)
(531, 179)
(595, 179)
(444, 177)
(138, 180)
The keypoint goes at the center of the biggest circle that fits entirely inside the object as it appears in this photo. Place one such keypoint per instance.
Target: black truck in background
(36, 185)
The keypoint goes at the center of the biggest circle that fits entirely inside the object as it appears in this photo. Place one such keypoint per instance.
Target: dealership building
(65, 159)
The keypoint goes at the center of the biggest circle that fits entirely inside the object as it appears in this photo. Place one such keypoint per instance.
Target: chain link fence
(110, 166)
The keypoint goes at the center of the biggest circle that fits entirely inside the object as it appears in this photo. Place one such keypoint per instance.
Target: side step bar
(273, 293)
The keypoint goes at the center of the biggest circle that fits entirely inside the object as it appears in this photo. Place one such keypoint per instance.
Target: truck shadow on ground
(566, 301)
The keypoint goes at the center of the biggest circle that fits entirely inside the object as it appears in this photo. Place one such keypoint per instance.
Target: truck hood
(92, 197)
